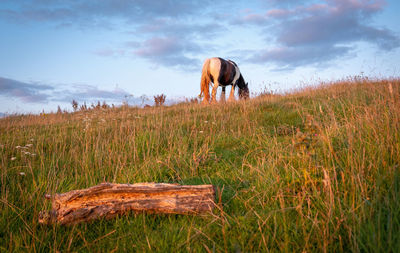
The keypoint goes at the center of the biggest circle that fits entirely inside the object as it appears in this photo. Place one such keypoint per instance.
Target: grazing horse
(222, 73)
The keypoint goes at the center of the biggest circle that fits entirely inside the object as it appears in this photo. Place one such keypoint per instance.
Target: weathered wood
(107, 200)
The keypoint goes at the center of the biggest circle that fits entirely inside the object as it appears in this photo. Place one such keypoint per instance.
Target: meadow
(316, 169)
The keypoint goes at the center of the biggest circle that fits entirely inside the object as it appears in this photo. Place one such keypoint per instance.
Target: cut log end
(108, 200)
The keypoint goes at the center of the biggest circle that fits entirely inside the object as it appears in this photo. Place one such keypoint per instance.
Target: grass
(313, 170)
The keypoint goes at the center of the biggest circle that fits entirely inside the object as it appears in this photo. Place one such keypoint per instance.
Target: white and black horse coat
(222, 73)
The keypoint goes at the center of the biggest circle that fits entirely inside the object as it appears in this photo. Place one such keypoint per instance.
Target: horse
(221, 73)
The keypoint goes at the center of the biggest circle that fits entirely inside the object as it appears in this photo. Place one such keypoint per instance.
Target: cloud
(288, 58)
(88, 12)
(109, 52)
(337, 22)
(169, 42)
(319, 32)
(89, 93)
(176, 34)
(169, 51)
(173, 26)
(44, 93)
(27, 92)
(151, 23)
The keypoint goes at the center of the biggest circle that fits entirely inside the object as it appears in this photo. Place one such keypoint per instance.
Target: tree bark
(107, 200)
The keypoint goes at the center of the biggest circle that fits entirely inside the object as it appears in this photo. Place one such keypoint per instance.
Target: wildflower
(13, 158)
(18, 147)
(206, 121)
(29, 145)
(201, 132)
(22, 173)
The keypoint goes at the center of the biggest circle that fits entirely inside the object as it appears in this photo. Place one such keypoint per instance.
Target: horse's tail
(205, 81)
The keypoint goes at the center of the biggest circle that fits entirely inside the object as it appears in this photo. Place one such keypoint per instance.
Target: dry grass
(315, 170)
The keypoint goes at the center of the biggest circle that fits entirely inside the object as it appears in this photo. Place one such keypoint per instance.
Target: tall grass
(314, 170)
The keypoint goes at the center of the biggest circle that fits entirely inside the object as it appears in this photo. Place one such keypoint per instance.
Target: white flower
(29, 145)
(22, 173)
(13, 158)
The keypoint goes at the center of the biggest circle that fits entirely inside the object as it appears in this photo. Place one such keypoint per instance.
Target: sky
(56, 51)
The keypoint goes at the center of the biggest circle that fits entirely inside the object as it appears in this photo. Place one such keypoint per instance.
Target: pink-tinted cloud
(287, 58)
(172, 43)
(335, 22)
(169, 51)
(158, 46)
(320, 32)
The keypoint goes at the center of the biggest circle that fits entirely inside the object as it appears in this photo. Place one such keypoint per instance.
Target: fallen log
(108, 200)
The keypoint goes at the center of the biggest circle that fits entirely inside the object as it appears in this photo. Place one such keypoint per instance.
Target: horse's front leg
(232, 94)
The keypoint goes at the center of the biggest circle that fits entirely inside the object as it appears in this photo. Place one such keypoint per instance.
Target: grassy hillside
(315, 170)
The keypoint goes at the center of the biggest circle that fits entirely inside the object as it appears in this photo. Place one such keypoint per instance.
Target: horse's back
(214, 67)
(221, 70)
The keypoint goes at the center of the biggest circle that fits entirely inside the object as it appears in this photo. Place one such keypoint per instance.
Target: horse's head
(243, 88)
(244, 92)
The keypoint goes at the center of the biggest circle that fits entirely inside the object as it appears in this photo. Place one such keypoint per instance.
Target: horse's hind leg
(223, 94)
(214, 93)
(232, 94)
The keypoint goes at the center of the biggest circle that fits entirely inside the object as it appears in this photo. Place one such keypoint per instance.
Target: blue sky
(53, 51)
